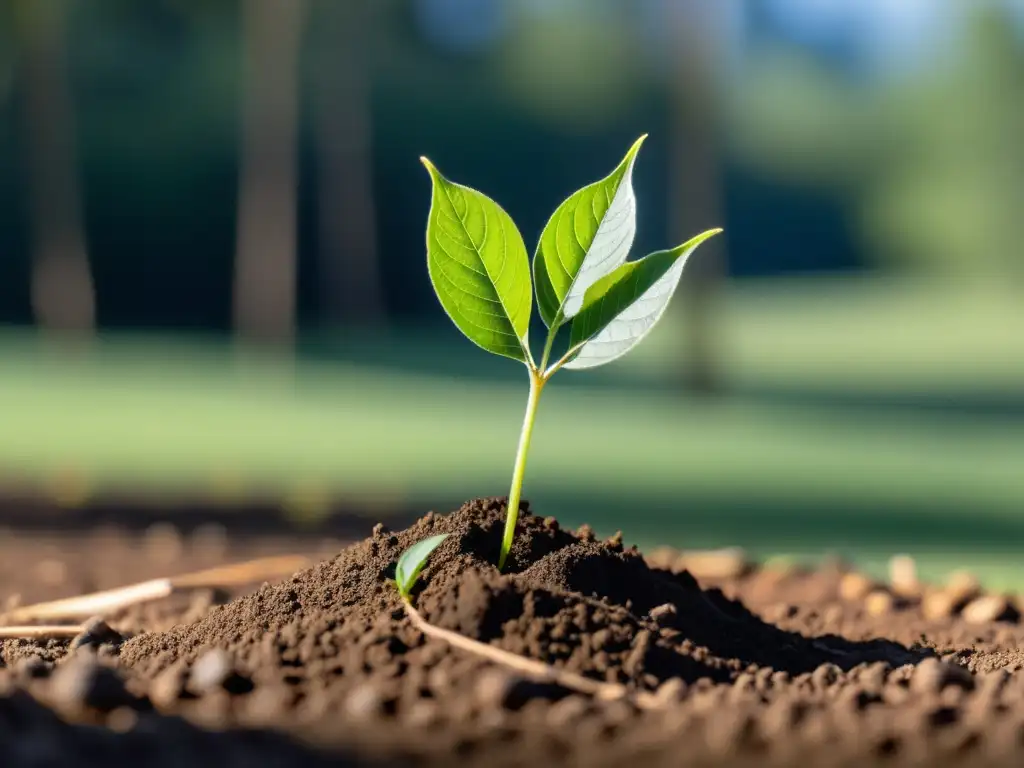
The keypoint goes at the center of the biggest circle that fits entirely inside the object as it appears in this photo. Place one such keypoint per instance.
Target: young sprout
(481, 273)
(412, 561)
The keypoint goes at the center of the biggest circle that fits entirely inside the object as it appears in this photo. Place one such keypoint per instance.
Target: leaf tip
(431, 168)
(637, 144)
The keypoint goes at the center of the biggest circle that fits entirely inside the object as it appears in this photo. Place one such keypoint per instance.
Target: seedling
(481, 273)
(412, 561)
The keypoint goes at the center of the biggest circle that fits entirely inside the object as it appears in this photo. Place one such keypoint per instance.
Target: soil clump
(748, 665)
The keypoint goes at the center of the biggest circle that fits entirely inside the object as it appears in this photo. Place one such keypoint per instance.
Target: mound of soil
(763, 668)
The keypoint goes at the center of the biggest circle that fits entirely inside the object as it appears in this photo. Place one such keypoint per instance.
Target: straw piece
(40, 632)
(112, 600)
(93, 604)
(251, 571)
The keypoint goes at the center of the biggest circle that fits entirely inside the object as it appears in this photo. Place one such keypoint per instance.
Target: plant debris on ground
(745, 665)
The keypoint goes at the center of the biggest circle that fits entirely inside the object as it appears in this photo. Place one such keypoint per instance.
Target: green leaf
(587, 237)
(412, 561)
(479, 268)
(622, 307)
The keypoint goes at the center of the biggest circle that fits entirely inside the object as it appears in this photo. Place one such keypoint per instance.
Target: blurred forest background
(212, 268)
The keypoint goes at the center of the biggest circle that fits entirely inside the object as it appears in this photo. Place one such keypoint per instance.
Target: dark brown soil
(753, 666)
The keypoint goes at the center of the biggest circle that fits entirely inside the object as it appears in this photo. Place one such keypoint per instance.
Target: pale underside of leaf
(412, 561)
(587, 237)
(479, 268)
(622, 307)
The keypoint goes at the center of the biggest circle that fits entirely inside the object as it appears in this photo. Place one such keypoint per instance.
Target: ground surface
(739, 666)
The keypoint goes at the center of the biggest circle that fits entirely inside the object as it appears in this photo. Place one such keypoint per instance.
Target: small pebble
(962, 586)
(988, 608)
(855, 586)
(938, 605)
(903, 576)
(728, 563)
(880, 602)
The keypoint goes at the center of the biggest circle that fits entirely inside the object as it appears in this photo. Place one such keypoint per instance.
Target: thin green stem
(547, 373)
(512, 515)
(546, 355)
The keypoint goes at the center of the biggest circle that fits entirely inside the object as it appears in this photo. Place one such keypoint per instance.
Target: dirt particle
(168, 686)
(854, 586)
(932, 675)
(215, 670)
(670, 692)
(664, 615)
(493, 688)
(365, 702)
(568, 711)
(33, 668)
(82, 682)
(97, 632)
(122, 720)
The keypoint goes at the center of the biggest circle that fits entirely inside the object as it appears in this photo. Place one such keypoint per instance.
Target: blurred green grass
(428, 419)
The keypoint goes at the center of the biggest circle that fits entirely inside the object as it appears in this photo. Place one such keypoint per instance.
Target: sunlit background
(213, 282)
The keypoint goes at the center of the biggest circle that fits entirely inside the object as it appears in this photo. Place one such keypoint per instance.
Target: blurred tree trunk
(695, 186)
(266, 257)
(62, 288)
(350, 280)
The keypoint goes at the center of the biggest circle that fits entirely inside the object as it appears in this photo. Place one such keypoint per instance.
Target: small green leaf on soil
(412, 561)
(479, 268)
(622, 307)
(587, 237)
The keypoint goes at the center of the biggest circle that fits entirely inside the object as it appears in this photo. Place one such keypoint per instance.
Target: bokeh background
(213, 284)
